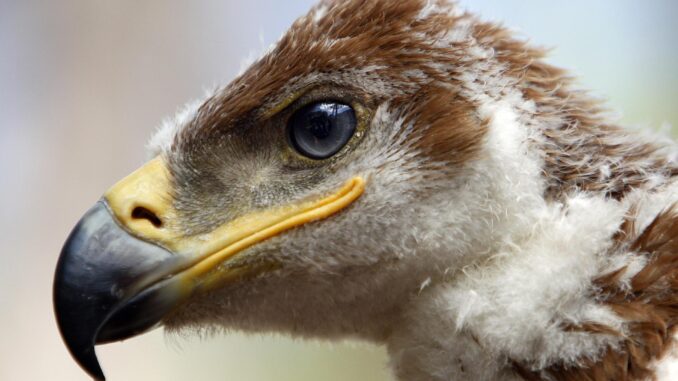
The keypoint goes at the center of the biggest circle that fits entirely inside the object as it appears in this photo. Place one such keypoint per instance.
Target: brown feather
(649, 308)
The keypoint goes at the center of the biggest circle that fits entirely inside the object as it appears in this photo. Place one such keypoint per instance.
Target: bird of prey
(404, 173)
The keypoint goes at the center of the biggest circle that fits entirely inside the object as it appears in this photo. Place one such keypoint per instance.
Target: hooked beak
(126, 265)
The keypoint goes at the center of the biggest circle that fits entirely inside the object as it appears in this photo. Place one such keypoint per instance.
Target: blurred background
(83, 84)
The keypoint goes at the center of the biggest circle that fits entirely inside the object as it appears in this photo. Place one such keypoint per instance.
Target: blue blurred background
(83, 83)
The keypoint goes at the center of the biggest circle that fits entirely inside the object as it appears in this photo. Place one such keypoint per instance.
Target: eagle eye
(320, 129)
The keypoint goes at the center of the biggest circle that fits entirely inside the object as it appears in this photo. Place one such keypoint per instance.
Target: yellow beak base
(142, 203)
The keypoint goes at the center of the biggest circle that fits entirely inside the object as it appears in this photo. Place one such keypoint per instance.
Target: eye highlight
(321, 129)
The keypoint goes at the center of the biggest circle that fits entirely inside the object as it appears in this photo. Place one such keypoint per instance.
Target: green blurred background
(83, 83)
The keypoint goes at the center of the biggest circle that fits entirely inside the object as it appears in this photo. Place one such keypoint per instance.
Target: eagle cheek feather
(484, 220)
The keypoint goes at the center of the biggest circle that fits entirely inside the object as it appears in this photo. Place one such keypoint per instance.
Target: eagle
(404, 173)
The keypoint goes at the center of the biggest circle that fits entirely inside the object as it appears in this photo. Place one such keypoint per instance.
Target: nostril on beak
(141, 213)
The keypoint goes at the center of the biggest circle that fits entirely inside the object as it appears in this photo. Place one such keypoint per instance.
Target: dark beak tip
(107, 286)
(78, 335)
(80, 348)
(81, 294)
(87, 359)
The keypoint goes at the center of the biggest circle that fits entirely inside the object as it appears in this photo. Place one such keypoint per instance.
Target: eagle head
(378, 149)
